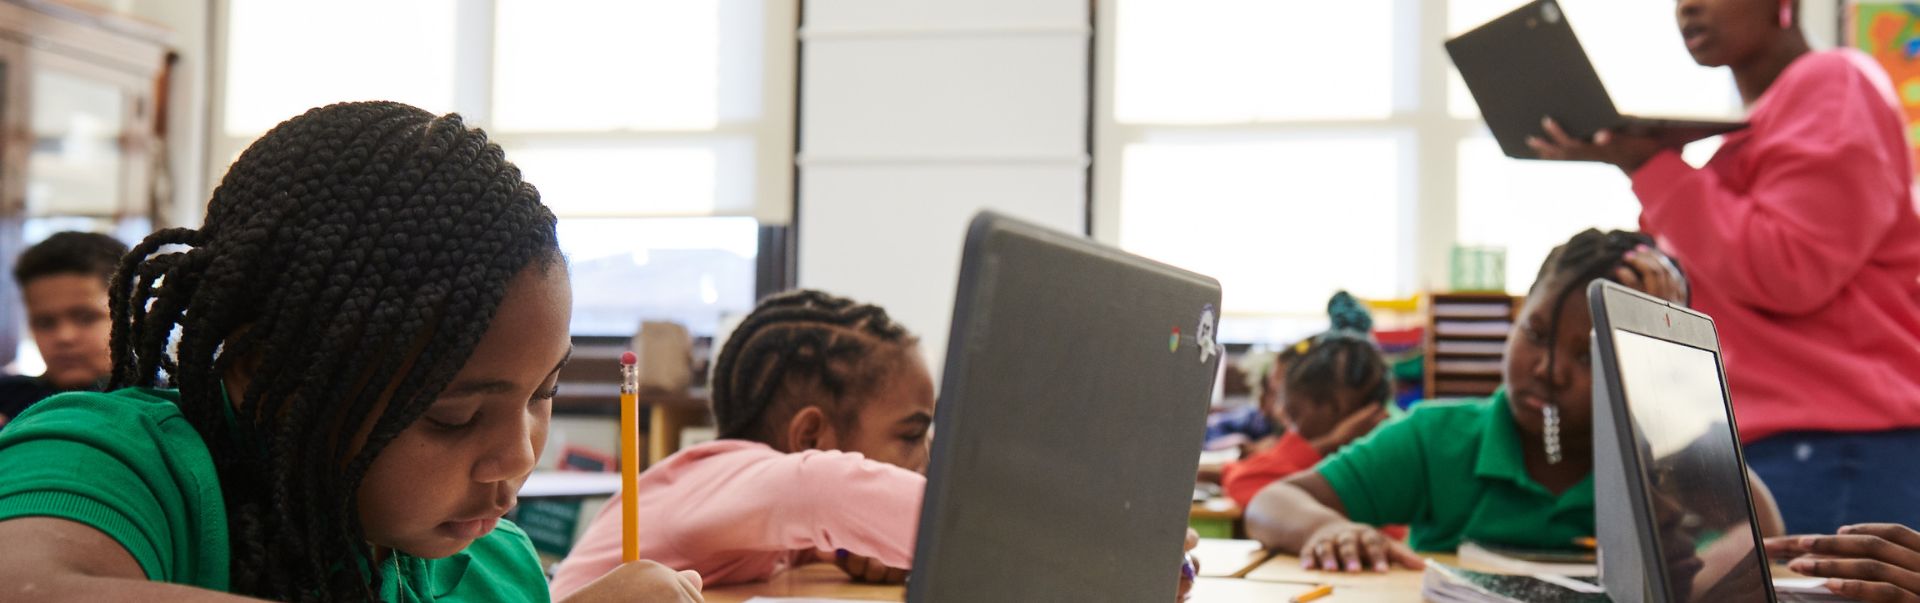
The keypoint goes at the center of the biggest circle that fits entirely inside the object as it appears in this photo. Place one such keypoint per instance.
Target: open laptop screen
(1703, 520)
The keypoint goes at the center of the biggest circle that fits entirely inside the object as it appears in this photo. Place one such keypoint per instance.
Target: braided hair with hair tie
(345, 244)
(1344, 358)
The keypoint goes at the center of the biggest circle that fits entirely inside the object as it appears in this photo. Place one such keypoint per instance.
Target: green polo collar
(1501, 458)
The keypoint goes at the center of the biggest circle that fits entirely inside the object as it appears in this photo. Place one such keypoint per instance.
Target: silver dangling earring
(1551, 429)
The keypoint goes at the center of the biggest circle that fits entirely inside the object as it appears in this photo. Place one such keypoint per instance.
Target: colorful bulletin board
(1890, 31)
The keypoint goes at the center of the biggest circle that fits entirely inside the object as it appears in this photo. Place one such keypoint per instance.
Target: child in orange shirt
(1329, 390)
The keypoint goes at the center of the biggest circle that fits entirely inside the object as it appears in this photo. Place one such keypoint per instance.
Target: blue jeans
(1825, 480)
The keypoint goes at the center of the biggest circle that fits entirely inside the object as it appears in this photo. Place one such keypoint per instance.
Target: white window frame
(474, 32)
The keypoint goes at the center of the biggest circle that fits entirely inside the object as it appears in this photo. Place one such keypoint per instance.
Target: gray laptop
(1675, 521)
(1527, 65)
(1071, 409)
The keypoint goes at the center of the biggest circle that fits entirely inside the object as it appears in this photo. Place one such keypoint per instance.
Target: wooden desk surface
(1272, 582)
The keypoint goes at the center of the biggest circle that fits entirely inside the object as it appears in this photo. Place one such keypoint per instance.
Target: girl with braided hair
(1330, 389)
(824, 408)
(1515, 469)
(330, 391)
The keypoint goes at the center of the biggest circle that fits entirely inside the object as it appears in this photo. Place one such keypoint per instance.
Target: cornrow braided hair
(345, 244)
(1342, 359)
(1588, 256)
(829, 345)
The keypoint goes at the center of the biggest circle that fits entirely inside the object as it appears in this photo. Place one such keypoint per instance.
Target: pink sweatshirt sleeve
(833, 500)
(712, 514)
(1823, 197)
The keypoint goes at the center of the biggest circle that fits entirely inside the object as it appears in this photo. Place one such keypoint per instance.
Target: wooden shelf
(1466, 340)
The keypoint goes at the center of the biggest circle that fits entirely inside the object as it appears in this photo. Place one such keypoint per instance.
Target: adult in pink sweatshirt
(1801, 240)
(824, 408)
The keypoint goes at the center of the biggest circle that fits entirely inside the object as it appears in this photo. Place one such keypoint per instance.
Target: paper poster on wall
(1890, 32)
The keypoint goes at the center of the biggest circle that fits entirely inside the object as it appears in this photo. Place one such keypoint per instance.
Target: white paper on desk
(1804, 590)
(802, 600)
(1220, 558)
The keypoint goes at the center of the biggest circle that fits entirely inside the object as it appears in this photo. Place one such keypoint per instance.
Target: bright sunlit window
(1291, 149)
(283, 58)
(1252, 213)
(640, 121)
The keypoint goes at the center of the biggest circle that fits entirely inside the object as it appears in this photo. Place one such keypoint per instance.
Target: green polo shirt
(129, 465)
(1453, 472)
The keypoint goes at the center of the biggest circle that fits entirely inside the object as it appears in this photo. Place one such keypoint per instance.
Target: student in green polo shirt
(363, 338)
(1515, 469)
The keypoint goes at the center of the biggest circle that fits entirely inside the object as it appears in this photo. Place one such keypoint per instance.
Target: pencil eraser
(628, 359)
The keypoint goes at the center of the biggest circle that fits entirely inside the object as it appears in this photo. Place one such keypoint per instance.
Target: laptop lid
(1529, 64)
(1075, 393)
(1675, 521)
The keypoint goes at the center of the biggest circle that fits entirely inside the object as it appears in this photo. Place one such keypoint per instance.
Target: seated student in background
(370, 324)
(1250, 428)
(63, 282)
(1330, 389)
(824, 407)
(1515, 469)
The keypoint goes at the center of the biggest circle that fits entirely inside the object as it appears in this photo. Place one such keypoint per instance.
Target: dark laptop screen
(1702, 518)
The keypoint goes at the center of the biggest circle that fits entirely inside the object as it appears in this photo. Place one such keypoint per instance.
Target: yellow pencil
(629, 457)
(1322, 591)
(1586, 542)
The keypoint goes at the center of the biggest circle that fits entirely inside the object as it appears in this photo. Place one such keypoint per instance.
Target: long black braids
(1588, 256)
(799, 338)
(350, 261)
(1344, 358)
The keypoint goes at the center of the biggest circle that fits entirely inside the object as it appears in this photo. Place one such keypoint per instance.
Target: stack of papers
(1481, 558)
(1804, 590)
(1444, 584)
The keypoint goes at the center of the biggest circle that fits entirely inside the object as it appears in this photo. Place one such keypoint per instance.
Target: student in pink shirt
(1801, 240)
(824, 408)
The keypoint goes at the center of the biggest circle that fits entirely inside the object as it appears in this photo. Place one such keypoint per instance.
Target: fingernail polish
(1353, 566)
(1306, 563)
(840, 554)
(1186, 570)
(1329, 565)
(1380, 567)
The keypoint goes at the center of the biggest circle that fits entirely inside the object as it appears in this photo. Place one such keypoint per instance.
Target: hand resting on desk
(1866, 562)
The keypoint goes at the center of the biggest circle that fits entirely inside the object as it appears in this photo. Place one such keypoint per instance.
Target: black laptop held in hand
(1527, 65)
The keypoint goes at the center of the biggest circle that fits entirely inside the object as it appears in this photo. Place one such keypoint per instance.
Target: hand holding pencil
(636, 580)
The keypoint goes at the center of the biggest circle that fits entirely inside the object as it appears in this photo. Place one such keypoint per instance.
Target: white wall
(1820, 19)
(915, 114)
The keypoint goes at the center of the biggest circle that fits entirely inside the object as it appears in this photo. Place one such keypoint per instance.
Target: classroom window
(688, 270)
(1239, 61)
(1531, 207)
(283, 58)
(1344, 147)
(642, 122)
(1256, 213)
